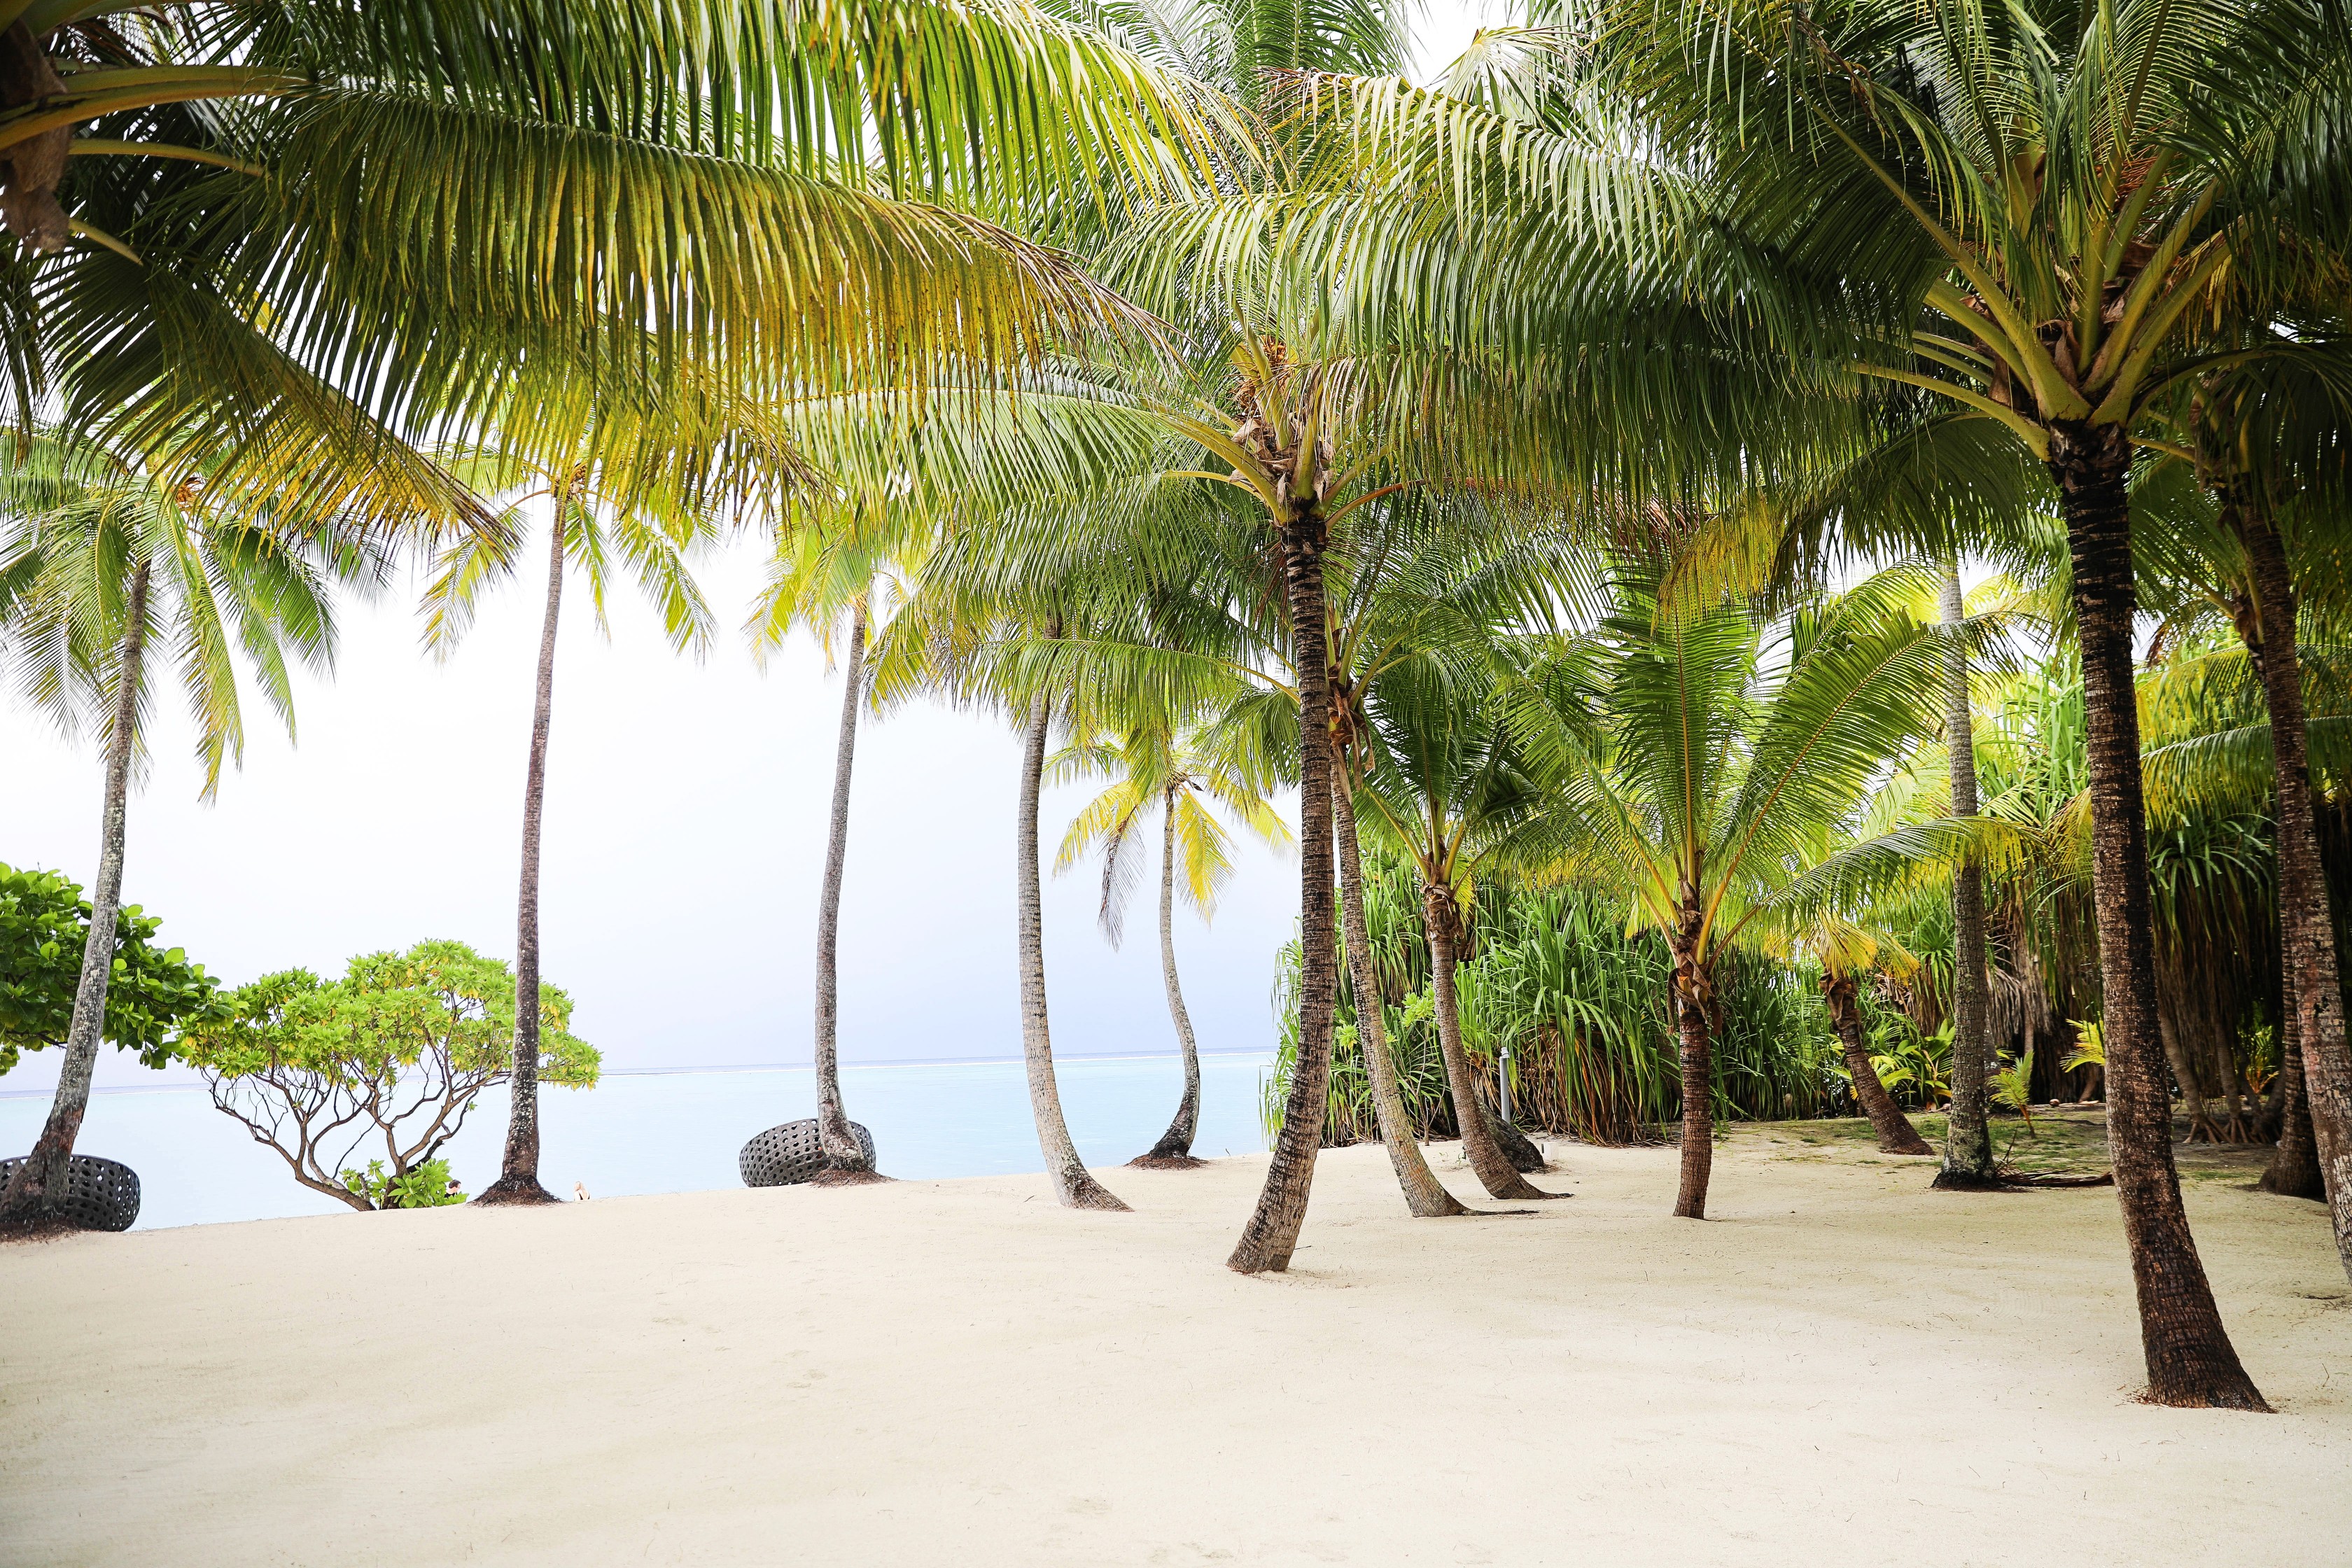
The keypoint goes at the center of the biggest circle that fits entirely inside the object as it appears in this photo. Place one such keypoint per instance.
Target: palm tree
(1446, 787)
(1155, 766)
(103, 564)
(2049, 218)
(1967, 1134)
(2268, 456)
(601, 520)
(307, 236)
(1696, 766)
(2067, 204)
(815, 574)
(1845, 949)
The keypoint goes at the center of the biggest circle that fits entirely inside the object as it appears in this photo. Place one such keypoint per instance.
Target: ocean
(678, 1131)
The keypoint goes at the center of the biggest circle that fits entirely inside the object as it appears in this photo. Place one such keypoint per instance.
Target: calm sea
(678, 1131)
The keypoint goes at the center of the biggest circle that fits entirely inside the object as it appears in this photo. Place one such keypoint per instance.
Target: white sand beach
(1838, 1368)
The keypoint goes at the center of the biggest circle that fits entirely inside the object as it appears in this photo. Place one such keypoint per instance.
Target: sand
(1838, 1368)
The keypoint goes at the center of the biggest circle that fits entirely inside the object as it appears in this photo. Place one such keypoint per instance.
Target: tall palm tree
(601, 522)
(1967, 1135)
(2064, 202)
(1178, 772)
(818, 573)
(104, 564)
(2267, 451)
(1696, 761)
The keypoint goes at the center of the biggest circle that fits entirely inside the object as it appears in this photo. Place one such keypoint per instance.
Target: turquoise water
(678, 1131)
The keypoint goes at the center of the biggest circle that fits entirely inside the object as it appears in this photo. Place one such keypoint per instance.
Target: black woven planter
(783, 1155)
(100, 1194)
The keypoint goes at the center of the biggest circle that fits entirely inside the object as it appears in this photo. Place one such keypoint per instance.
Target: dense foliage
(154, 993)
(394, 1055)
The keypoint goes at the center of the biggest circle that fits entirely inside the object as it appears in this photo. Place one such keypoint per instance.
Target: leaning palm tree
(603, 521)
(396, 178)
(1182, 774)
(106, 571)
(817, 574)
(1698, 757)
(1845, 951)
(1445, 788)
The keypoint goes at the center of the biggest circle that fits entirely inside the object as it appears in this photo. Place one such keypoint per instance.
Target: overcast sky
(685, 836)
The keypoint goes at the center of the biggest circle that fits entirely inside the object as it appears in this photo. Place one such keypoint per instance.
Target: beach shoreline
(1840, 1366)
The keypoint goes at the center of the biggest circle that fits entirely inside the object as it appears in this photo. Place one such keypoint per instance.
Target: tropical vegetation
(1564, 478)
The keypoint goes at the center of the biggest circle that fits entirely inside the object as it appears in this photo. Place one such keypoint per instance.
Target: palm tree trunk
(2306, 925)
(1896, 1133)
(1174, 1150)
(1968, 1137)
(845, 1158)
(2185, 1074)
(1074, 1185)
(2190, 1361)
(1426, 1197)
(1272, 1232)
(1441, 919)
(518, 1180)
(40, 1183)
(2293, 1170)
(1690, 997)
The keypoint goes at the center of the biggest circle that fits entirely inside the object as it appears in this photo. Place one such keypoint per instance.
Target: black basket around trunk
(791, 1153)
(100, 1194)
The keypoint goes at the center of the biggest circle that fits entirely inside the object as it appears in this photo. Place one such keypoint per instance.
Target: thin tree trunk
(1968, 1136)
(845, 1158)
(2306, 925)
(1426, 1197)
(1691, 1000)
(2185, 1073)
(40, 1183)
(2190, 1361)
(1174, 1150)
(1441, 919)
(1074, 1185)
(2293, 1170)
(1272, 1232)
(1896, 1133)
(518, 1180)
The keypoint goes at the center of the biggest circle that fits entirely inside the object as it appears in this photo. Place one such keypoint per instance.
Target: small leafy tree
(44, 925)
(395, 1053)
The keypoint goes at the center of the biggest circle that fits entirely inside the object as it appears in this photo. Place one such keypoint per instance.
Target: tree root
(512, 1191)
(28, 1232)
(1167, 1163)
(832, 1177)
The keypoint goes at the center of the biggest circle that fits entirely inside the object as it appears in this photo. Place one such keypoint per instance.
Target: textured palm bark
(1692, 994)
(1426, 1197)
(2305, 923)
(2293, 1170)
(1441, 920)
(1896, 1133)
(1967, 1139)
(518, 1180)
(845, 1158)
(39, 1182)
(1272, 1232)
(1174, 1150)
(2190, 1361)
(1074, 1185)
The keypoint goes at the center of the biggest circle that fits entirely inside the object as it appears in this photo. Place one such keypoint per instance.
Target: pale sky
(684, 841)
